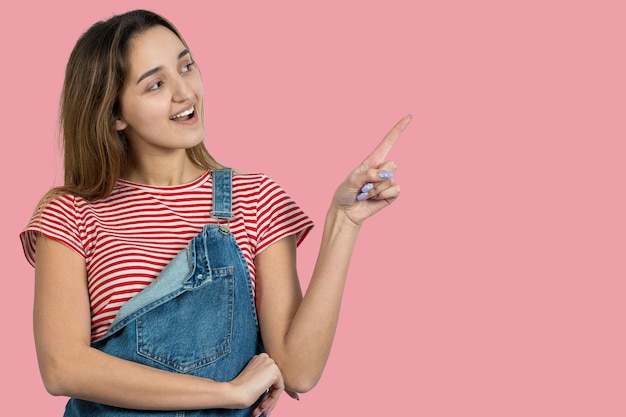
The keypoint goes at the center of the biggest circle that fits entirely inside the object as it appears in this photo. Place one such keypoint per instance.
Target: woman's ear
(120, 124)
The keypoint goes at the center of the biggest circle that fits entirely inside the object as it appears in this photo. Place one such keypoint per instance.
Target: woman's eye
(155, 86)
(187, 67)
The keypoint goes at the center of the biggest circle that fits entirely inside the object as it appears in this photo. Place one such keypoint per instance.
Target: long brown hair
(95, 153)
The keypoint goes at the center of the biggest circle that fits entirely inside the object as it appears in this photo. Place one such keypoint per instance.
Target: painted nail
(293, 395)
(362, 196)
(367, 187)
(385, 175)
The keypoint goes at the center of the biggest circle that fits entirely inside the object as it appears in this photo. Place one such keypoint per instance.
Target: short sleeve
(57, 221)
(278, 216)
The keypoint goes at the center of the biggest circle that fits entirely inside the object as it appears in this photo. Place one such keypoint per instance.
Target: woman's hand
(260, 377)
(371, 186)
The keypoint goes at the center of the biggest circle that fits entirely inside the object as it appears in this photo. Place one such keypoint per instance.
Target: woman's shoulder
(249, 179)
(55, 217)
(247, 175)
(54, 201)
(258, 183)
(252, 177)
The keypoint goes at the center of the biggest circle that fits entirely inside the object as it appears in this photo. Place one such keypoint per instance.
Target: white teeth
(183, 114)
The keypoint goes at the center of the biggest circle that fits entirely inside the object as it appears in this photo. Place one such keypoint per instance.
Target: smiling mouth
(186, 115)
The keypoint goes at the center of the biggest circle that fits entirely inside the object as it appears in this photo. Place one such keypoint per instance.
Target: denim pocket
(193, 329)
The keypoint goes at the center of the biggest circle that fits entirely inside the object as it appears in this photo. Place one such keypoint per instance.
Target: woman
(163, 280)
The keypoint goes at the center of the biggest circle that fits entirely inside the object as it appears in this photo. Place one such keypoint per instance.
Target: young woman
(163, 280)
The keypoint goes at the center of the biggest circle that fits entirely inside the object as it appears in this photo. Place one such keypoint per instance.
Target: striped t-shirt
(128, 238)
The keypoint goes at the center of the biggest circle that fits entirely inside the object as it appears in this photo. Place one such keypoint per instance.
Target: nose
(182, 90)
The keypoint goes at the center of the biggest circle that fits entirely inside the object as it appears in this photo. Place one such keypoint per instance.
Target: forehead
(154, 47)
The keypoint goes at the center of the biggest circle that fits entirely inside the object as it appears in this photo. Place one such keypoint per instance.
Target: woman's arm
(70, 367)
(298, 331)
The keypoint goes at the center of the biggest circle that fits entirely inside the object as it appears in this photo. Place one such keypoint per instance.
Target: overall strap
(222, 196)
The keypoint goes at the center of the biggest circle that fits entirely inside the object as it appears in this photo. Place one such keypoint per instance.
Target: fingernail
(385, 175)
(405, 121)
(367, 187)
(362, 196)
(293, 395)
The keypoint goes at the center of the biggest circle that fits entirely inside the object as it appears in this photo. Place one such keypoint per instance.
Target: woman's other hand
(261, 377)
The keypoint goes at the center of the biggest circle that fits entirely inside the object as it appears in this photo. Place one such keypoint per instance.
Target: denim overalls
(197, 318)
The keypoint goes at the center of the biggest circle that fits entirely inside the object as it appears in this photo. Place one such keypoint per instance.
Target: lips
(185, 115)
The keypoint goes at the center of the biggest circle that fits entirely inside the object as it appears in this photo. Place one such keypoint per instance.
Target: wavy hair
(95, 153)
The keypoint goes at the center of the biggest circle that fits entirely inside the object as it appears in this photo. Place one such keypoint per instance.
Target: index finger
(380, 153)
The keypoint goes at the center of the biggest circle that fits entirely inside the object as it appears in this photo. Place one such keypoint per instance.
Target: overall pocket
(193, 329)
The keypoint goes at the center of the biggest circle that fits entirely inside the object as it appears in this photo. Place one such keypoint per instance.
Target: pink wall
(495, 286)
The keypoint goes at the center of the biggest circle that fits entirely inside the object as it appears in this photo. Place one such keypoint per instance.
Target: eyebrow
(157, 69)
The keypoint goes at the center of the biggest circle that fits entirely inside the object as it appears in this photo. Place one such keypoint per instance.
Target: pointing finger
(380, 153)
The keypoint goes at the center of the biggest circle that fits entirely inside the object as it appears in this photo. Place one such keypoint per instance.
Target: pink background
(494, 287)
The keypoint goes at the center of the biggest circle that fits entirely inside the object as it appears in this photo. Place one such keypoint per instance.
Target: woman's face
(161, 101)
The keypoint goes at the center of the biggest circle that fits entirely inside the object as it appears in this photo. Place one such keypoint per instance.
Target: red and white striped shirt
(128, 238)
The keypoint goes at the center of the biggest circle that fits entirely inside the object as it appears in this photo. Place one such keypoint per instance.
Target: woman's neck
(162, 171)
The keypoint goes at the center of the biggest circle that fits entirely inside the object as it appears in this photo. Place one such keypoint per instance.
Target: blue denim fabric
(197, 318)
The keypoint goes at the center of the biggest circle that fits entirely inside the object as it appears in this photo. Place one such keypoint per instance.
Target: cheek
(143, 114)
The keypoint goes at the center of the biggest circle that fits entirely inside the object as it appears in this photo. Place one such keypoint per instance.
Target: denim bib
(197, 318)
